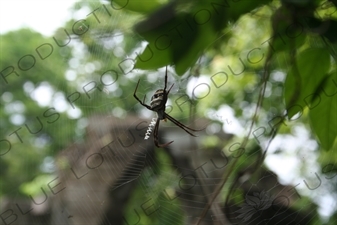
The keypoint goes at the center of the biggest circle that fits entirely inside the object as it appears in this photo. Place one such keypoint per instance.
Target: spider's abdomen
(158, 100)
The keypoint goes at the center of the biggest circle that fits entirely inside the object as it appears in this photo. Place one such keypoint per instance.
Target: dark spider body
(158, 105)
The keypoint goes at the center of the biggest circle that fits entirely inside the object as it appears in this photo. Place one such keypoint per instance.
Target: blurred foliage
(222, 43)
(31, 123)
(160, 204)
(187, 28)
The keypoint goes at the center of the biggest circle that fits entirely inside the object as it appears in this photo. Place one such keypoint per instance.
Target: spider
(158, 104)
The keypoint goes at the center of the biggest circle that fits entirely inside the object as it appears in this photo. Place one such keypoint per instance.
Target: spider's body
(158, 105)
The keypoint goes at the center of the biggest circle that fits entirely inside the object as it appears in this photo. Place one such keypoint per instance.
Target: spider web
(155, 180)
(135, 158)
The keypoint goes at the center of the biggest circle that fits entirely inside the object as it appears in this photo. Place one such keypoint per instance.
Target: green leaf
(175, 41)
(304, 79)
(298, 2)
(178, 33)
(151, 58)
(331, 31)
(287, 36)
(139, 6)
(184, 60)
(323, 118)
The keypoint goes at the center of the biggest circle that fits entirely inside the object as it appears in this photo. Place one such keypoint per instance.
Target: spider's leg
(165, 78)
(155, 133)
(144, 99)
(155, 136)
(172, 119)
(166, 83)
(169, 89)
(134, 93)
(182, 126)
(142, 103)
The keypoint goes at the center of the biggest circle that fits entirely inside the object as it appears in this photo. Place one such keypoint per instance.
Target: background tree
(31, 119)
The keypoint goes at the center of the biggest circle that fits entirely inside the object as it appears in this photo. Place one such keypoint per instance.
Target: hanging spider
(158, 104)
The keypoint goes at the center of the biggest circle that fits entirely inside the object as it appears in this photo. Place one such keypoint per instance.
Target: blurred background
(72, 148)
